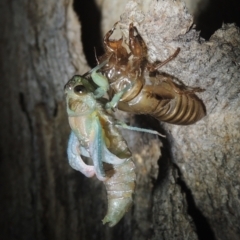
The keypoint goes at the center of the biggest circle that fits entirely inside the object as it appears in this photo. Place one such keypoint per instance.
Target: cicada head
(79, 96)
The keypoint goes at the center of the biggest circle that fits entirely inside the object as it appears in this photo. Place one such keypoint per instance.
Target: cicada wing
(74, 157)
(99, 151)
(96, 146)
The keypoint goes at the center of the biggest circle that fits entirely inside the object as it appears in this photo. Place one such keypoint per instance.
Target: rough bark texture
(205, 155)
(192, 192)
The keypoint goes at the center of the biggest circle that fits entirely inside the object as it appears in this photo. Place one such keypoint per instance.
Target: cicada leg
(153, 67)
(74, 158)
(99, 79)
(112, 45)
(102, 82)
(125, 126)
(115, 48)
(136, 43)
(191, 90)
(116, 98)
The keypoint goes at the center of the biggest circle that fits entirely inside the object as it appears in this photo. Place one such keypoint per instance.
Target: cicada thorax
(122, 74)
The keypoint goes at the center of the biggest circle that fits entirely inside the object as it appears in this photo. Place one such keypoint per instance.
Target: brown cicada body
(144, 90)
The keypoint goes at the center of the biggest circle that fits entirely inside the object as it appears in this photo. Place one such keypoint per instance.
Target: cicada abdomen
(167, 102)
(183, 109)
(120, 188)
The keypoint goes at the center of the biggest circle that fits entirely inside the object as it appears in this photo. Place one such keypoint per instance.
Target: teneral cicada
(95, 135)
(136, 86)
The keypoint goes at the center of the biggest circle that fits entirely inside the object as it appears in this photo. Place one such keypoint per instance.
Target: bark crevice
(203, 228)
(91, 29)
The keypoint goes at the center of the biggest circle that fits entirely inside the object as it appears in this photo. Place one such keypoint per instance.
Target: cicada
(95, 134)
(135, 85)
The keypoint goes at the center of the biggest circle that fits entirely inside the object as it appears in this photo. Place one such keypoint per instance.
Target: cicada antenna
(95, 53)
(152, 68)
(97, 67)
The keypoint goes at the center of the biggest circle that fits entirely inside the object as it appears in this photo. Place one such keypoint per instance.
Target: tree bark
(191, 191)
(200, 195)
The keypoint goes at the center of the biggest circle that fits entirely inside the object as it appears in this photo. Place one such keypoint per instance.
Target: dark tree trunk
(191, 191)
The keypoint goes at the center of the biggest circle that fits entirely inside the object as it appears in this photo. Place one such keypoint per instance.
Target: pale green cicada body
(95, 135)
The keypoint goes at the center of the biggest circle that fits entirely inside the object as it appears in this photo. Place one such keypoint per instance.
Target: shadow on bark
(165, 162)
(203, 228)
(215, 14)
(90, 17)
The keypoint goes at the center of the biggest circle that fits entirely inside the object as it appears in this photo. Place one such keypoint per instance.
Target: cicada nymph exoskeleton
(141, 88)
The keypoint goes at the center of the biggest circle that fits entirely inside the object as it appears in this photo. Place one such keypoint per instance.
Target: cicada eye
(80, 89)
